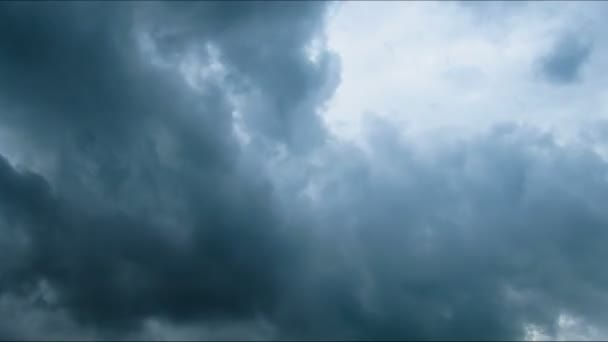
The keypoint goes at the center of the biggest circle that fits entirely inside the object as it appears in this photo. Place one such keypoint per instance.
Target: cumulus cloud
(144, 190)
(170, 172)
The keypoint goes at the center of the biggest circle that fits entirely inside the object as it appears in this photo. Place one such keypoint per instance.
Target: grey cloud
(151, 211)
(562, 65)
(488, 235)
(147, 210)
(113, 269)
(264, 49)
(493, 7)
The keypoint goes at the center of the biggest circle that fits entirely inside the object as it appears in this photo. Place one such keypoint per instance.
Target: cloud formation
(563, 63)
(146, 209)
(168, 174)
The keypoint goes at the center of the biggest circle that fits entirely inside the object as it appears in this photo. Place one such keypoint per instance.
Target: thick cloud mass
(169, 176)
(147, 210)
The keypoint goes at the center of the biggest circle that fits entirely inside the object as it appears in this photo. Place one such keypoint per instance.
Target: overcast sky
(303, 170)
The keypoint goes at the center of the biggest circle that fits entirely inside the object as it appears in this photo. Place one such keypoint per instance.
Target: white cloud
(568, 328)
(461, 67)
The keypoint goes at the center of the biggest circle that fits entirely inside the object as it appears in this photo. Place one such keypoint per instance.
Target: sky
(303, 170)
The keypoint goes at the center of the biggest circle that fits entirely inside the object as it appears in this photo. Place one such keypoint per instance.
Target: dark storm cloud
(563, 63)
(487, 235)
(113, 268)
(150, 209)
(264, 47)
(147, 210)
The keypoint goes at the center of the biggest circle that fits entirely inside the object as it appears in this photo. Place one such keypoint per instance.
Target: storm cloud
(167, 172)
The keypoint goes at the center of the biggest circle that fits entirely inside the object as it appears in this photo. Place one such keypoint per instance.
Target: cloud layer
(167, 171)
